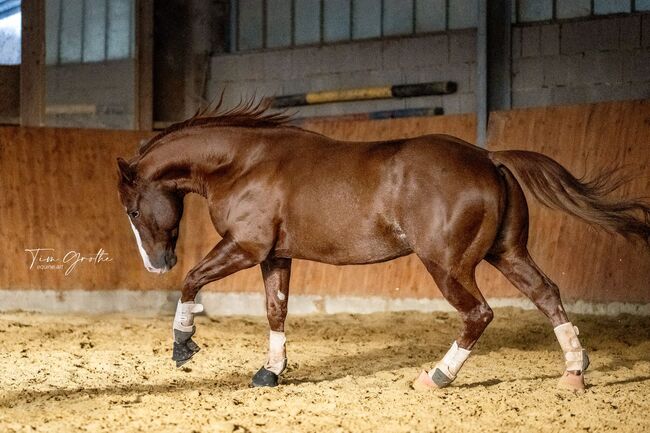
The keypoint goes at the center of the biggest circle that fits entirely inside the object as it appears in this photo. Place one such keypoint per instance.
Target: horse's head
(154, 211)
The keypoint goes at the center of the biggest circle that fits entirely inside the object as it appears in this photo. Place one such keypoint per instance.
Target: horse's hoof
(441, 379)
(572, 382)
(183, 352)
(424, 383)
(264, 377)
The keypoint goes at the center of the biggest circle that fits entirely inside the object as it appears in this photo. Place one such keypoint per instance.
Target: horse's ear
(127, 173)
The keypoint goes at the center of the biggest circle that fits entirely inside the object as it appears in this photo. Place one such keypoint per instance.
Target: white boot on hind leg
(445, 371)
(275, 363)
(576, 359)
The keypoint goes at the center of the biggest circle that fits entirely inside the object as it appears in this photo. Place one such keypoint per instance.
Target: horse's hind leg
(524, 274)
(510, 255)
(461, 291)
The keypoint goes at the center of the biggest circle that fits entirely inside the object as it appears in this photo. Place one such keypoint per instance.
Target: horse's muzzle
(170, 261)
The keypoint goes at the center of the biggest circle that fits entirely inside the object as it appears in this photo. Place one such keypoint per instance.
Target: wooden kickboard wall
(58, 191)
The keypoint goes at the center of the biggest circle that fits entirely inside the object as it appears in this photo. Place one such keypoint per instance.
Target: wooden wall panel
(586, 263)
(58, 191)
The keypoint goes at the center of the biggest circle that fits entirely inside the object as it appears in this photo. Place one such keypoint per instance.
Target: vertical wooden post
(481, 90)
(32, 66)
(499, 57)
(198, 53)
(143, 103)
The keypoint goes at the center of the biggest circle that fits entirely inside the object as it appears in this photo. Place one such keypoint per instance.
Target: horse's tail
(556, 188)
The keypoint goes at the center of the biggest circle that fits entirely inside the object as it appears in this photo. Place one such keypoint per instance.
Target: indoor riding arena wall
(59, 192)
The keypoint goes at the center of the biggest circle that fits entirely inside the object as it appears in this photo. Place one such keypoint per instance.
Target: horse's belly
(340, 245)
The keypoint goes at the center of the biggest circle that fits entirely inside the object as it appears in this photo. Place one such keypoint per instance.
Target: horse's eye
(134, 214)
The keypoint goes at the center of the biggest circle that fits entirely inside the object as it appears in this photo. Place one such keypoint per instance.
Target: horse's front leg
(225, 258)
(276, 274)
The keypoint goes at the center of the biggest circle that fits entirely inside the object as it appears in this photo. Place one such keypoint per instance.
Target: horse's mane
(245, 114)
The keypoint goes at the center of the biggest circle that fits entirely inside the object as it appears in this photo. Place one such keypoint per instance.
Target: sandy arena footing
(347, 373)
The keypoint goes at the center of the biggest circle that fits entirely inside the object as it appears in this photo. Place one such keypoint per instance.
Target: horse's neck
(184, 162)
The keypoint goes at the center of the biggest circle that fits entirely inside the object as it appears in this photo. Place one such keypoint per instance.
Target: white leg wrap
(452, 361)
(184, 317)
(567, 335)
(277, 360)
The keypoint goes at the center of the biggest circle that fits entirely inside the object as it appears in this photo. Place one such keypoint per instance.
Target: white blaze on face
(143, 253)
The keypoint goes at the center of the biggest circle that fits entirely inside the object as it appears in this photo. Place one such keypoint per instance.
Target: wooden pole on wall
(32, 66)
(481, 75)
(143, 106)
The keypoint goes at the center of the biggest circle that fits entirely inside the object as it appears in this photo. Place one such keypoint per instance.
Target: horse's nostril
(172, 261)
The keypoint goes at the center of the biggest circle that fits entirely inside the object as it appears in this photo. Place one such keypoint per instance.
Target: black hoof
(585, 360)
(183, 352)
(184, 347)
(265, 377)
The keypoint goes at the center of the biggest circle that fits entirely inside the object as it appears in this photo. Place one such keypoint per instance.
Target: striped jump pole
(365, 93)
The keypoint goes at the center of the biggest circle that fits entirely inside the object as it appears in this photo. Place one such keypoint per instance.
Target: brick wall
(108, 86)
(580, 62)
(441, 57)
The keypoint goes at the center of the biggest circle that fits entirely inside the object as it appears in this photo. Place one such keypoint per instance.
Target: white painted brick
(391, 53)
(557, 70)
(462, 46)
(550, 40)
(527, 73)
(267, 88)
(467, 103)
(592, 35)
(630, 32)
(621, 92)
(421, 75)
(321, 82)
(645, 30)
(237, 67)
(516, 42)
(597, 67)
(423, 102)
(305, 62)
(451, 103)
(569, 95)
(422, 51)
(415, 52)
(385, 77)
(277, 64)
(531, 98)
(636, 66)
(295, 86)
(530, 41)
(363, 56)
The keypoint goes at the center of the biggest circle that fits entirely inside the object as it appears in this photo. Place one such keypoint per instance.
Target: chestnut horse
(278, 192)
